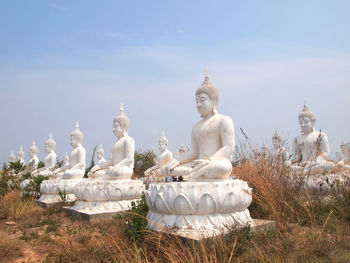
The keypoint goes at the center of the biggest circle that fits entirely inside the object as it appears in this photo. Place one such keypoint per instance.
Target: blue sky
(62, 61)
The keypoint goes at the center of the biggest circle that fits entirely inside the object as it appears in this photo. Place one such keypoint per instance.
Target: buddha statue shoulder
(76, 167)
(311, 148)
(121, 164)
(212, 141)
(164, 157)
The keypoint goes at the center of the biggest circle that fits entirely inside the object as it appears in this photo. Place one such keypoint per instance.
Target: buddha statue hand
(201, 167)
(166, 169)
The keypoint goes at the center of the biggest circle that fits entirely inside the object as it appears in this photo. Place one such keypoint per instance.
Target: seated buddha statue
(101, 156)
(344, 161)
(20, 156)
(212, 141)
(280, 152)
(76, 167)
(121, 164)
(50, 160)
(34, 160)
(164, 157)
(311, 148)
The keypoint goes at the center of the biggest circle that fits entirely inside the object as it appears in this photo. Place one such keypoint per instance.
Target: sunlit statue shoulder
(163, 159)
(76, 167)
(311, 148)
(121, 164)
(212, 141)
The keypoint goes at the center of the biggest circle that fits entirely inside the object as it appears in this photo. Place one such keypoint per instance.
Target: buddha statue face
(118, 129)
(48, 148)
(31, 153)
(162, 146)
(74, 141)
(204, 104)
(306, 124)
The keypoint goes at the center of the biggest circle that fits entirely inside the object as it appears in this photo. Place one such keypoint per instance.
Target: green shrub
(143, 161)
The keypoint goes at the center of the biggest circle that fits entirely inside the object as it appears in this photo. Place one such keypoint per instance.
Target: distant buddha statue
(164, 157)
(76, 167)
(122, 161)
(101, 156)
(65, 163)
(344, 156)
(50, 159)
(12, 158)
(280, 152)
(212, 141)
(34, 160)
(20, 156)
(311, 148)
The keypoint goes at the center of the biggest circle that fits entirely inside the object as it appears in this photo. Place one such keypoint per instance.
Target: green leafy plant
(143, 161)
(92, 163)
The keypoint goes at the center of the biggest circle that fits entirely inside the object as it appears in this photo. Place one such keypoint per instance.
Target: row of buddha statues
(207, 198)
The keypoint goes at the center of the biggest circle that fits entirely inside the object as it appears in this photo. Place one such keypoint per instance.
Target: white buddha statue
(20, 156)
(101, 156)
(34, 160)
(65, 163)
(76, 167)
(311, 148)
(122, 161)
(12, 158)
(280, 152)
(212, 141)
(164, 157)
(50, 159)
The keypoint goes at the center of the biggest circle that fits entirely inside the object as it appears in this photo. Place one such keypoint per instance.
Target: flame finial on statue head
(306, 112)
(122, 119)
(209, 89)
(163, 139)
(50, 142)
(77, 133)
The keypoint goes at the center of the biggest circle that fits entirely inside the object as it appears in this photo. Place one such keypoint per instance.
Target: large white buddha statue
(76, 167)
(11, 158)
(50, 160)
(34, 160)
(121, 164)
(209, 201)
(20, 156)
(311, 148)
(164, 157)
(212, 141)
(110, 188)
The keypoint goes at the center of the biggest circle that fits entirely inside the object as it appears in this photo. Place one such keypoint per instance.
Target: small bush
(143, 161)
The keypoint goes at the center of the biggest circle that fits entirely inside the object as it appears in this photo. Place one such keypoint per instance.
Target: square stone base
(45, 205)
(90, 216)
(258, 225)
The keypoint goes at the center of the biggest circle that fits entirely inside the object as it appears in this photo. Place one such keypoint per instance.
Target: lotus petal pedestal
(50, 190)
(97, 199)
(199, 209)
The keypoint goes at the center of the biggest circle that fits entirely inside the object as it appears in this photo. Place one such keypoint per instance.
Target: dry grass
(8, 248)
(309, 229)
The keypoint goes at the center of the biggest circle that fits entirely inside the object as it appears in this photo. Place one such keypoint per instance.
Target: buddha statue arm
(228, 140)
(53, 161)
(324, 151)
(129, 145)
(296, 152)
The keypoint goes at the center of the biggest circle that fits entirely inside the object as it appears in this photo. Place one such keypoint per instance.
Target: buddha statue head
(50, 144)
(12, 157)
(100, 152)
(307, 120)
(20, 154)
(276, 140)
(163, 143)
(207, 97)
(33, 150)
(121, 123)
(76, 136)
